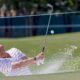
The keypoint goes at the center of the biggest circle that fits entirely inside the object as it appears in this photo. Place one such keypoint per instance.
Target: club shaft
(47, 28)
(46, 33)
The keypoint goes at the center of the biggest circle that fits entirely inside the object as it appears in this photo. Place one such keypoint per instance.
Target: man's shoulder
(14, 52)
(12, 49)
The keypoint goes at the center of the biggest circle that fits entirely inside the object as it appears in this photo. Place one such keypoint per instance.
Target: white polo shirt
(6, 64)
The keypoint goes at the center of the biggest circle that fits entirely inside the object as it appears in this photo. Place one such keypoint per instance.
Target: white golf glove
(39, 62)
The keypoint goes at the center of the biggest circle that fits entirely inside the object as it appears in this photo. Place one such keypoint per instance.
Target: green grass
(32, 45)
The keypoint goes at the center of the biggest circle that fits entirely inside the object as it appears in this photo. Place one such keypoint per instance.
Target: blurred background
(24, 22)
(20, 18)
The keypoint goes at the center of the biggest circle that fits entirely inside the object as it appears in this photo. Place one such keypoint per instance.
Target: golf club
(45, 39)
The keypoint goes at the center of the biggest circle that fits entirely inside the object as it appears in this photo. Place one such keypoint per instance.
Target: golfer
(13, 62)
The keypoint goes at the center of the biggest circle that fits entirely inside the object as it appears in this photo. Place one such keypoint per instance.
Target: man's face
(1, 55)
(2, 51)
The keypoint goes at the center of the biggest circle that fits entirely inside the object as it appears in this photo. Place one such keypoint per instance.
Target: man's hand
(40, 56)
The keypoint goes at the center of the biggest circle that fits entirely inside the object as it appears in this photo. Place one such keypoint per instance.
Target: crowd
(5, 12)
(50, 6)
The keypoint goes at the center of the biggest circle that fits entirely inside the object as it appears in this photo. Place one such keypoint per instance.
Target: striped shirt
(6, 67)
(16, 53)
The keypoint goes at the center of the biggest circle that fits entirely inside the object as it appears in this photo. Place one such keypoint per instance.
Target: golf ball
(52, 31)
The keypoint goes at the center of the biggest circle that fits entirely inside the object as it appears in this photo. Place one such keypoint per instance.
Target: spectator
(3, 10)
(13, 11)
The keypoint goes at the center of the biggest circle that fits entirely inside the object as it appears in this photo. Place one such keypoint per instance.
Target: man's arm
(27, 62)
(23, 63)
